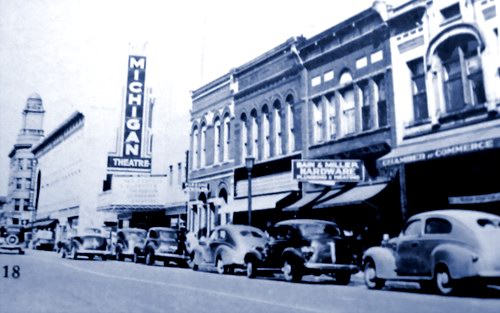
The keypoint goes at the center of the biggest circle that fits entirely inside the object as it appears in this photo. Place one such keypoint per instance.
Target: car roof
(163, 228)
(237, 228)
(465, 216)
(304, 221)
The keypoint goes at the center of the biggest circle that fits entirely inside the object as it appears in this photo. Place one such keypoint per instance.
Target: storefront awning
(132, 208)
(352, 196)
(445, 144)
(45, 223)
(176, 209)
(258, 203)
(306, 200)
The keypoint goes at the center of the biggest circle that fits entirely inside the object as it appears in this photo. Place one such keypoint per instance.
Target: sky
(74, 53)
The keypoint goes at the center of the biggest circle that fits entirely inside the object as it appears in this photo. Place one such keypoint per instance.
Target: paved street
(50, 284)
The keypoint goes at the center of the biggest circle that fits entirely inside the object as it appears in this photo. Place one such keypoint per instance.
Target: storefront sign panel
(328, 170)
(453, 150)
(137, 190)
(492, 197)
(196, 187)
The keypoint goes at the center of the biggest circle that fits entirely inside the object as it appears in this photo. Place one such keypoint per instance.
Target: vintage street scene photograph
(237, 156)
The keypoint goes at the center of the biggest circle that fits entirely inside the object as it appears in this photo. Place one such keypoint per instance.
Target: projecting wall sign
(132, 156)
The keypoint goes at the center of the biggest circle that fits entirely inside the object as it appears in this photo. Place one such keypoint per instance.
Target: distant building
(20, 198)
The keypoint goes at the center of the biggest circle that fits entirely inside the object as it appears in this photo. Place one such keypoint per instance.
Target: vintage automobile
(43, 239)
(307, 247)
(229, 247)
(91, 243)
(163, 244)
(439, 249)
(12, 238)
(127, 239)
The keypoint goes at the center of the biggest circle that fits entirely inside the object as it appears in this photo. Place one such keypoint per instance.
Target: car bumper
(92, 252)
(171, 256)
(331, 268)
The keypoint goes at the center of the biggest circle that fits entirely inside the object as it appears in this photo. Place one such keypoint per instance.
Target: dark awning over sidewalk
(352, 196)
(45, 223)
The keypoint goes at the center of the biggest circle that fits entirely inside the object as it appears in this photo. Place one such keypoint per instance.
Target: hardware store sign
(328, 170)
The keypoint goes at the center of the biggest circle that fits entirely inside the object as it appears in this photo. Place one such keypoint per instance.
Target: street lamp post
(249, 161)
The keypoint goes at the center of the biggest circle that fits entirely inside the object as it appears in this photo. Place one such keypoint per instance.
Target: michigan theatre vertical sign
(132, 156)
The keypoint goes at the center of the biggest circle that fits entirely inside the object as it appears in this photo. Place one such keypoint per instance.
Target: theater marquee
(132, 156)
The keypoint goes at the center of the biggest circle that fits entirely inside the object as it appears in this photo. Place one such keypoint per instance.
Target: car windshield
(319, 229)
(250, 233)
(136, 234)
(167, 235)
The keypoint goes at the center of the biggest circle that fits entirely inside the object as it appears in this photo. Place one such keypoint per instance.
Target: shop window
(317, 120)
(420, 110)
(462, 77)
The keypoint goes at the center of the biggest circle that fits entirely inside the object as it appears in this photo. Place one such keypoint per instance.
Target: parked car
(12, 238)
(91, 243)
(439, 249)
(43, 239)
(229, 247)
(307, 247)
(161, 243)
(127, 240)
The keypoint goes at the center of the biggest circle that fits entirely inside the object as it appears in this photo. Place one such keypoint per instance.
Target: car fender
(384, 259)
(228, 255)
(458, 260)
(255, 255)
(293, 254)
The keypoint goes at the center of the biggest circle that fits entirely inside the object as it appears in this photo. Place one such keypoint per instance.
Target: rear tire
(443, 281)
(150, 257)
(119, 255)
(219, 264)
(136, 258)
(73, 253)
(251, 269)
(370, 276)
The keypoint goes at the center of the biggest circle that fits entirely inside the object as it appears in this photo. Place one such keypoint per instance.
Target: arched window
(245, 144)
(203, 145)
(462, 72)
(277, 129)
(317, 108)
(255, 135)
(217, 140)
(267, 131)
(194, 148)
(290, 123)
(227, 136)
(332, 118)
(347, 105)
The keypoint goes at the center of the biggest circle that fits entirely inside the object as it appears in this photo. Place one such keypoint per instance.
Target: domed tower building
(20, 206)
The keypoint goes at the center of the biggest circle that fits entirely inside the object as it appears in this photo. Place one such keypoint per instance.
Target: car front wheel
(251, 269)
(150, 257)
(74, 254)
(291, 271)
(370, 276)
(219, 264)
(443, 281)
(136, 258)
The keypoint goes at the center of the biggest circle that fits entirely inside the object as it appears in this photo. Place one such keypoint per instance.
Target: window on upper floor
(451, 12)
(290, 123)
(217, 140)
(462, 73)
(381, 101)
(245, 144)
(420, 109)
(332, 118)
(17, 205)
(266, 122)
(19, 183)
(227, 137)
(26, 205)
(20, 164)
(348, 122)
(203, 145)
(277, 129)
(366, 108)
(194, 148)
(27, 182)
(15, 221)
(255, 135)
(317, 113)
